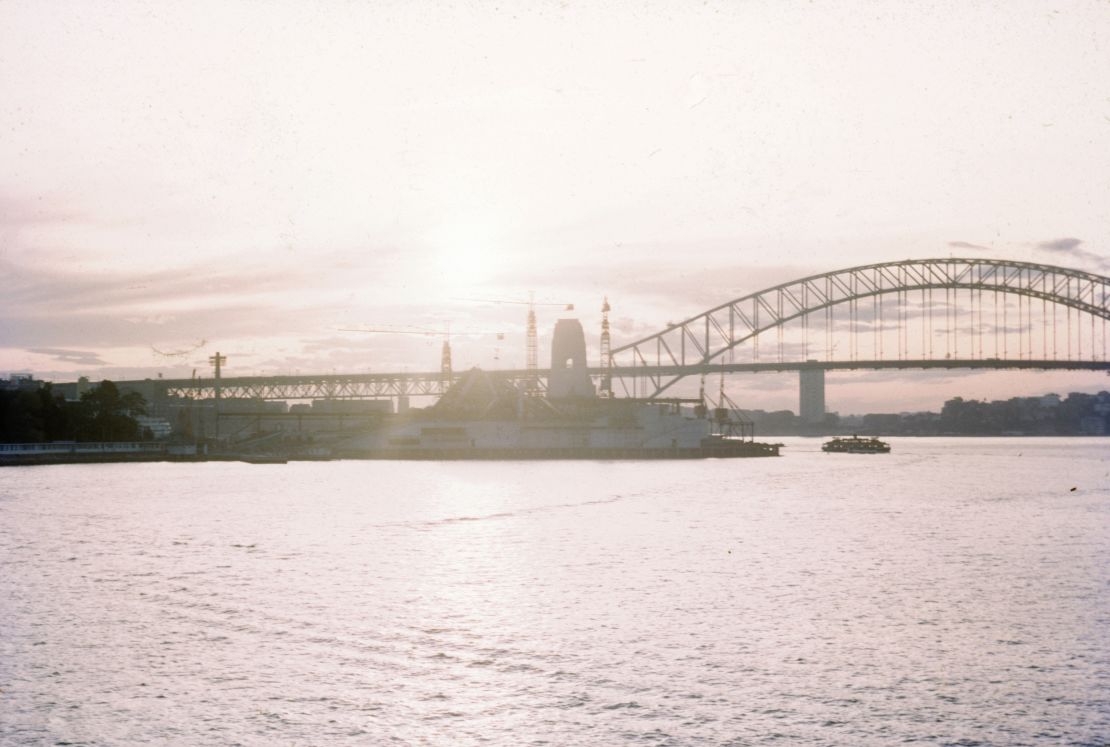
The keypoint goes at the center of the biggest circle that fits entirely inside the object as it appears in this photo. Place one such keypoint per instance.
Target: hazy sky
(258, 176)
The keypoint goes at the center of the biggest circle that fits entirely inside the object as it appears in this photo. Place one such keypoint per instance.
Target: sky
(258, 178)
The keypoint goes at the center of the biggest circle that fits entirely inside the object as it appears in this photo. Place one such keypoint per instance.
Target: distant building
(882, 423)
(352, 406)
(20, 381)
(159, 428)
(1092, 425)
(1050, 400)
(1102, 403)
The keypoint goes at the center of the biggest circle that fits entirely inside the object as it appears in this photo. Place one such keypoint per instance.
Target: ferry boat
(856, 445)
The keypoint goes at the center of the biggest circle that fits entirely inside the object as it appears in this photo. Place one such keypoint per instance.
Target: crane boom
(566, 306)
(445, 355)
(421, 331)
(531, 347)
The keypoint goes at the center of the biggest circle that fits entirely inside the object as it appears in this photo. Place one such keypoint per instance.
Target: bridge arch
(707, 337)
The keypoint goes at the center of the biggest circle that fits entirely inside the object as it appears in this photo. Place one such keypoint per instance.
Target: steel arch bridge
(914, 314)
(887, 315)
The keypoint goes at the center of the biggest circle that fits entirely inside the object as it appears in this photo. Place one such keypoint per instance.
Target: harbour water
(953, 592)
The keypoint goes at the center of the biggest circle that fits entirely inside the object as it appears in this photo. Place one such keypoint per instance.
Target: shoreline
(569, 454)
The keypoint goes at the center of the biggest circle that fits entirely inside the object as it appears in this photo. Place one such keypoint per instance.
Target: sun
(464, 265)
(465, 254)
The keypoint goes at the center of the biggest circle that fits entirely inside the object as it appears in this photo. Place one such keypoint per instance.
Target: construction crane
(531, 362)
(179, 356)
(445, 355)
(606, 362)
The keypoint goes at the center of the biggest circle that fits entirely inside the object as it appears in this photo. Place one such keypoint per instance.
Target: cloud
(80, 357)
(75, 291)
(107, 330)
(23, 211)
(1070, 246)
(152, 319)
(671, 288)
(969, 245)
(64, 307)
(1060, 245)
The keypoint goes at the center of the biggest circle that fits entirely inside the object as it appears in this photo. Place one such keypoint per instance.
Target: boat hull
(856, 445)
(740, 450)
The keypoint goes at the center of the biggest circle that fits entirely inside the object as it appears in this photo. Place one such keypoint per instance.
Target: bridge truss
(978, 313)
(432, 384)
(913, 314)
(335, 386)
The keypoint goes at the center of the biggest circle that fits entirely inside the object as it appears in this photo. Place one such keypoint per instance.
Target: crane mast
(531, 357)
(606, 358)
(445, 360)
(531, 344)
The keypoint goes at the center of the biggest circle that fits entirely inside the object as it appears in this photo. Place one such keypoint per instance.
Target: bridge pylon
(811, 396)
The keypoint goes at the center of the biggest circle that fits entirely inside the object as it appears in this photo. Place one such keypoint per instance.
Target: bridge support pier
(811, 395)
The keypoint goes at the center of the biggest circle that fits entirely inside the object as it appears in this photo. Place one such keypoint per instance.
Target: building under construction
(482, 416)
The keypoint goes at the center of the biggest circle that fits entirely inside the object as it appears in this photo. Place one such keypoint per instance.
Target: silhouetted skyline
(254, 179)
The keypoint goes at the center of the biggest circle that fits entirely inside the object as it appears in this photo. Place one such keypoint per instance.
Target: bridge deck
(415, 384)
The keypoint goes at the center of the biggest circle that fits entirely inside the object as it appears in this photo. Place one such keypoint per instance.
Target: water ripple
(952, 594)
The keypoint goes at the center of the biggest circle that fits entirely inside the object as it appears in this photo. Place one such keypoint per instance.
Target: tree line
(1074, 415)
(41, 414)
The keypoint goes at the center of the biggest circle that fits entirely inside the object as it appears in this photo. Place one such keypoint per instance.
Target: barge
(483, 416)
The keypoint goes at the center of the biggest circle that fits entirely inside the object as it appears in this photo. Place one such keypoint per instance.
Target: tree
(107, 415)
(19, 423)
(968, 417)
(35, 415)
